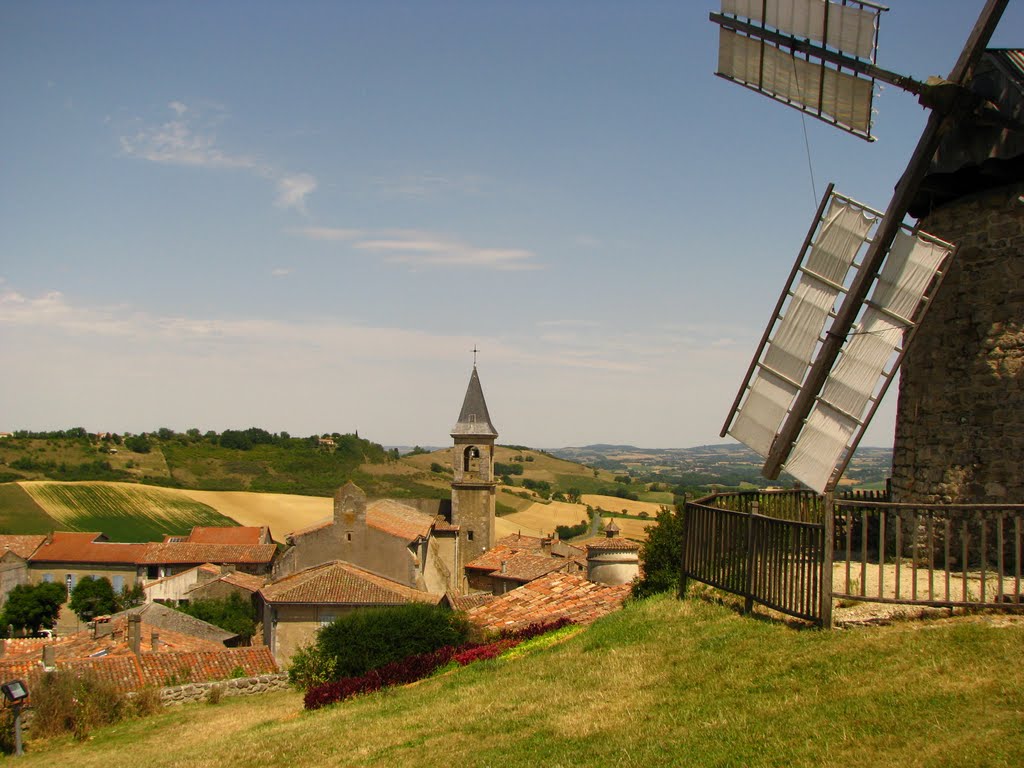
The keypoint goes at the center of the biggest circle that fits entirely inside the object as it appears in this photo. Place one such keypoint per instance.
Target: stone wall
(960, 423)
(241, 686)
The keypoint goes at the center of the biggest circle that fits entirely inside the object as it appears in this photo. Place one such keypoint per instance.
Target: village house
(14, 561)
(296, 606)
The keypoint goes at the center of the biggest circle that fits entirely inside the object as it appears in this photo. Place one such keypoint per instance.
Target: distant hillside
(235, 460)
(729, 464)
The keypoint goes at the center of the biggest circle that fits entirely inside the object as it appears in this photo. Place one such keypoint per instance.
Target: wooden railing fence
(780, 549)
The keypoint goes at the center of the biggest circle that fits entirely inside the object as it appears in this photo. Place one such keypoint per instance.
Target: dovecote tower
(473, 483)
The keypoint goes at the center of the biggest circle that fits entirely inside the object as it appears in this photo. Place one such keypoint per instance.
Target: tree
(129, 597)
(92, 597)
(33, 606)
(662, 555)
(573, 495)
(137, 444)
(232, 614)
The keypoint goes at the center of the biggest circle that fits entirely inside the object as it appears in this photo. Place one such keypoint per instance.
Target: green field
(122, 512)
(20, 514)
(661, 683)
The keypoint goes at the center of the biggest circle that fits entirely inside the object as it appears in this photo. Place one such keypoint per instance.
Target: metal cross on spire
(475, 350)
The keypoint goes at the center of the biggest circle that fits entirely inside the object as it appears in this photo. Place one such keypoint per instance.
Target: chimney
(504, 566)
(101, 627)
(49, 658)
(135, 633)
(155, 641)
(545, 545)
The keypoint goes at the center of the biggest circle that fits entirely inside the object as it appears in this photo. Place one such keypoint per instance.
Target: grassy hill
(251, 460)
(123, 512)
(661, 683)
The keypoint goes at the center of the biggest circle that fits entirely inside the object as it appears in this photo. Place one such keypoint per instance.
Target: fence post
(828, 503)
(748, 585)
(683, 582)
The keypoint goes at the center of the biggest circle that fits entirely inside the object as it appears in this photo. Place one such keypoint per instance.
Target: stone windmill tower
(960, 425)
(840, 330)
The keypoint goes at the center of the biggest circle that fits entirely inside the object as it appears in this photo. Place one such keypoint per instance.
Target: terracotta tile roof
(399, 520)
(440, 524)
(244, 580)
(184, 552)
(14, 647)
(131, 673)
(22, 546)
(557, 547)
(616, 542)
(341, 582)
(66, 547)
(327, 522)
(519, 565)
(242, 535)
(473, 600)
(549, 598)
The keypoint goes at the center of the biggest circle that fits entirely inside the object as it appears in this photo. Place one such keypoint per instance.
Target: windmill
(864, 279)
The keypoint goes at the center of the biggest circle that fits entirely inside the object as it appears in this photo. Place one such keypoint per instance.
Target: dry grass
(283, 512)
(615, 504)
(660, 683)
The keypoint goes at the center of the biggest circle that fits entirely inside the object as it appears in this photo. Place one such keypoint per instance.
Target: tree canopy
(93, 596)
(35, 606)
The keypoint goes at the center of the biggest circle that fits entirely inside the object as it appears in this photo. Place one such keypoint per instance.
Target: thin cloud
(424, 185)
(189, 139)
(280, 272)
(425, 249)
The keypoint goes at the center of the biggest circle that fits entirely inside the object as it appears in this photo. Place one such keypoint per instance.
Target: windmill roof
(976, 154)
(473, 418)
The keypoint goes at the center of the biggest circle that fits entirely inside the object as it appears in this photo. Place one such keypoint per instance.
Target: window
(118, 583)
(469, 535)
(326, 618)
(348, 536)
(153, 572)
(47, 578)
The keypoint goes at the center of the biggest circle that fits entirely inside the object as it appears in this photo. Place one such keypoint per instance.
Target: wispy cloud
(280, 272)
(430, 185)
(292, 191)
(189, 138)
(424, 249)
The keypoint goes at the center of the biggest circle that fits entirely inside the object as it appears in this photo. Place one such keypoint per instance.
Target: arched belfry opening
(471, 460)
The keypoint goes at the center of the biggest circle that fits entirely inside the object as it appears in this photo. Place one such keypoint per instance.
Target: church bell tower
(473, 483)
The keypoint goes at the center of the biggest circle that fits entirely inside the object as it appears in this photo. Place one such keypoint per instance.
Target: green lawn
(661, 683)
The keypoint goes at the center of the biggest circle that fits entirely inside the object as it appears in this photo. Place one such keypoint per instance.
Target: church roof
(473, 418)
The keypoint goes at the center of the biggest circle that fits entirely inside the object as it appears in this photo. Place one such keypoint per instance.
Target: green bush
(372, 637)
(662, 555)
(309, 667)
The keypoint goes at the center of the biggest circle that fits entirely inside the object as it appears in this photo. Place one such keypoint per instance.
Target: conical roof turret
(473, 418)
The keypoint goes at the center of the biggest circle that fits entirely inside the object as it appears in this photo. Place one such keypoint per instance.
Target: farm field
(615, 504)
(20, 514)
(123, 511)
(544, 517)
(284, 513)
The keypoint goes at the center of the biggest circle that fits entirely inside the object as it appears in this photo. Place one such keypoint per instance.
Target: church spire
(473, 418)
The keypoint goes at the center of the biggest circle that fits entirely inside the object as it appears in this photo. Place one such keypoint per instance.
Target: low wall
(239, 686)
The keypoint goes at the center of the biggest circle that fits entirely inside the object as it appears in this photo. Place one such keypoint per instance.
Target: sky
(305, 216)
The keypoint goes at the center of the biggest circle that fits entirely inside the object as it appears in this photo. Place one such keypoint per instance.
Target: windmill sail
(866, 364)
(793, 334)
(763, 45)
